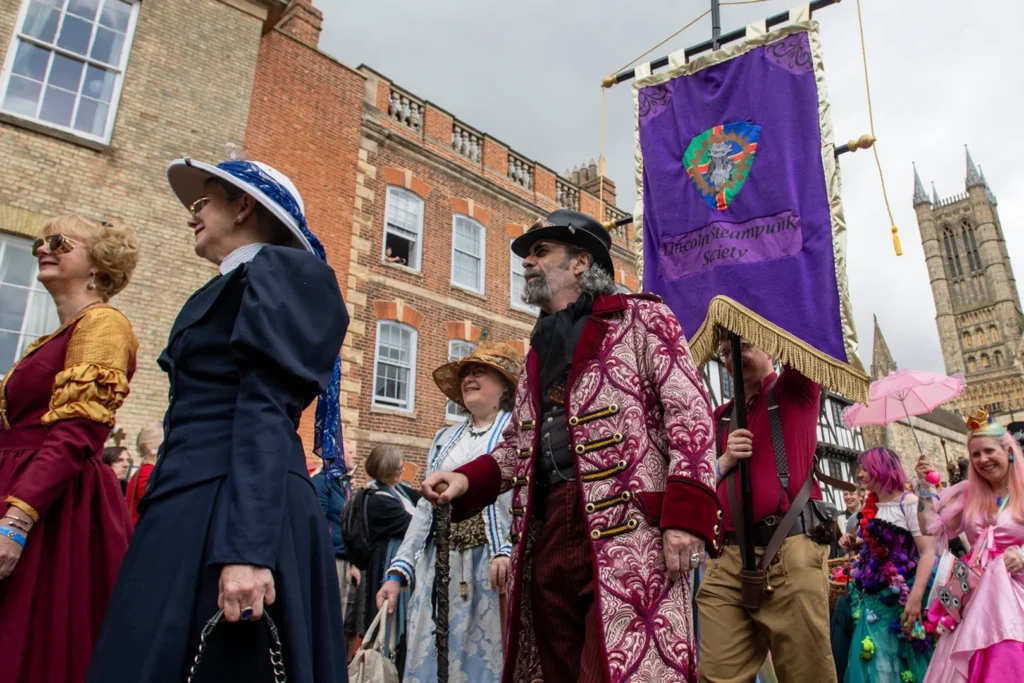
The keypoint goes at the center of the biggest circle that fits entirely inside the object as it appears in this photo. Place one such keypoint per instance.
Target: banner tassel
(896, 241)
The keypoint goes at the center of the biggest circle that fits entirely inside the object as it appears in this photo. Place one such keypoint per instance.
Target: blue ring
(247, 614)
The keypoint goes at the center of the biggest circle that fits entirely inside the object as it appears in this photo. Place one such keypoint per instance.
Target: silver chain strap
(276, 655)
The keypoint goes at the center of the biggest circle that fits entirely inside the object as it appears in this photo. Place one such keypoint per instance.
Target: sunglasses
(56, 244)
(197, 206)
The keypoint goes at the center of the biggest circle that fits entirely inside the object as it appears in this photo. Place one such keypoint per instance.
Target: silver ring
(694, 559)
(246, 613)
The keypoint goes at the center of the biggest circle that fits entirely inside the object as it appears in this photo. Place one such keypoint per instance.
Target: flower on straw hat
(498, 356)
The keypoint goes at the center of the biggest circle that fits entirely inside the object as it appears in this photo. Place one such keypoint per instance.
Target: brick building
(96, 97)
(420, 209)
(378, 168)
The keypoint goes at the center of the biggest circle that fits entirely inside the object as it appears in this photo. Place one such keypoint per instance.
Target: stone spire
(973, 177)
(935, 195)
(882, 362)
(988, 190)
(920, 196)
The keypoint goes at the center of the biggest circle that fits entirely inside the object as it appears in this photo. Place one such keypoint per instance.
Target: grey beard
(537, 291)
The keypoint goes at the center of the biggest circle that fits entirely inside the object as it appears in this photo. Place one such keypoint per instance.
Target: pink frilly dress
(988, 645)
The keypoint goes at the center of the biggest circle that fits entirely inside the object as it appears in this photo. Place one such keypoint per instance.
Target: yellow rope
(600, 157)
(871, 121)
(626, 66)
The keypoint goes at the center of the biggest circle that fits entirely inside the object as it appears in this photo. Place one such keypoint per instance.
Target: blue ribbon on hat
(327, 441)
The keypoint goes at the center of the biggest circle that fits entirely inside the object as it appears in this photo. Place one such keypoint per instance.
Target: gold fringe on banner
(726, 315)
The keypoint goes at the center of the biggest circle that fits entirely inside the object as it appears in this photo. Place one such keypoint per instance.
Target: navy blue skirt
(166, 592)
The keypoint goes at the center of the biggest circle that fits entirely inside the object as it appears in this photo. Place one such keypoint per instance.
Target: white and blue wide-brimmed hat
(265, 184)
(276, 192)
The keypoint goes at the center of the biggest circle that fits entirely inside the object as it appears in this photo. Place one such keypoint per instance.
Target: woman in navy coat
(230, 519)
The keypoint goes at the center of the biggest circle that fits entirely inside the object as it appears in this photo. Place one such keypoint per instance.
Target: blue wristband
(718, 469)
(394, 576)
(13, 535)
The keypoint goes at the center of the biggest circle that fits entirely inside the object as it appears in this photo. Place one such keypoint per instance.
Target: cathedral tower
(977, 308)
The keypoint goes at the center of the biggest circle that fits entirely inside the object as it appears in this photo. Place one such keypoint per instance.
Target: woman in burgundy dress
(65, 526)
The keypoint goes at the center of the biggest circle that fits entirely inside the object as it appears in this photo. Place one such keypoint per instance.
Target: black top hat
(570, 227)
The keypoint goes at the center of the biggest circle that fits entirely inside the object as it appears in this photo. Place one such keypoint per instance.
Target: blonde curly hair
(113, 250)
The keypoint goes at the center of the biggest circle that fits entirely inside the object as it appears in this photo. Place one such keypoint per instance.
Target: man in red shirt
(792, 621)
(148, 445)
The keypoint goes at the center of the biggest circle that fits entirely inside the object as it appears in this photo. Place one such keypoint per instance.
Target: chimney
(302, 21)
(588, 177)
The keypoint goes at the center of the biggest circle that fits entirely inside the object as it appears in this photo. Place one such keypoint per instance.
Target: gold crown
(978, 419)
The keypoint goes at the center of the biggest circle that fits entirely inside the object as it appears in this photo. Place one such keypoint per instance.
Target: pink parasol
(902, 394)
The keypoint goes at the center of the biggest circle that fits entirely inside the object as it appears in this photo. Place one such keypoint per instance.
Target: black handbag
(276, 656)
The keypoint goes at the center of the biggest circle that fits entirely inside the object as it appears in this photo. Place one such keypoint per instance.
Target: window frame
(516, 302)
(461, 413)
(35, 288)
(120, 70)
(483, 255)
(410, 406)
(419, 229)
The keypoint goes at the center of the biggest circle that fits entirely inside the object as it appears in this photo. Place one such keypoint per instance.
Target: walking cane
(442, 579)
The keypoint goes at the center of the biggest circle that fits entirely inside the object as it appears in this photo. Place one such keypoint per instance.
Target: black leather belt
(764, 530)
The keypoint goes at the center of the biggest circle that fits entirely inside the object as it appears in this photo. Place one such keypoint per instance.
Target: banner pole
(738, 34)
(716, 23)
(739, 398)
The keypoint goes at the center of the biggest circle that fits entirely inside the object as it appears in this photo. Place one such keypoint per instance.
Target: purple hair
(884, 467)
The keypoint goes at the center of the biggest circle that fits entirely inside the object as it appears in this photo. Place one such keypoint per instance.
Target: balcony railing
(466, 141)
(567, 196)
(520, 171)
(405, 109)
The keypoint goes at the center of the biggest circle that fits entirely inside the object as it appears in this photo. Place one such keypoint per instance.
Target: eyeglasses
(474, 371)
(197, 206)
(56, 244)
(726, 350)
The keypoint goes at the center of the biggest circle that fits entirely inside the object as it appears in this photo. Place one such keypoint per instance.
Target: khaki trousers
(792, 622)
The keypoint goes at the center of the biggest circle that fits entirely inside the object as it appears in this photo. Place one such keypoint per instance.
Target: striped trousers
(564, 607)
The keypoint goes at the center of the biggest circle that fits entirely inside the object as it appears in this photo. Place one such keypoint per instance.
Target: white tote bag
(371, 665)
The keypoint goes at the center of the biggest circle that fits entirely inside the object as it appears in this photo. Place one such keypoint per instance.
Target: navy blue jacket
(332, 498)
(247, 354)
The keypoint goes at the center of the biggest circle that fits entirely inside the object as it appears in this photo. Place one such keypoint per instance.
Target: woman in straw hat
(230, 520)
(483, 383)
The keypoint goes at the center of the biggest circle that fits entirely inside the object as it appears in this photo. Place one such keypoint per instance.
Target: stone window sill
(43, 129)
(467, 290)
(403, 269)
(396, 412)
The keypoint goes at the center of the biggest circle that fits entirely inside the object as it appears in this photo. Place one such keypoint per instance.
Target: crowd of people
(589, 483)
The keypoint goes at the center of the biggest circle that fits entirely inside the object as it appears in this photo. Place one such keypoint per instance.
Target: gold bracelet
(24, 507)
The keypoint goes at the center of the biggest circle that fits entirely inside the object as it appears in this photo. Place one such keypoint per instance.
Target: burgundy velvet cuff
(693, 507)
(484, 487)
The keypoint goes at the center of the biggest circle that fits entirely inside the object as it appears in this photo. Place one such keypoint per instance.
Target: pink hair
(884, 467)
(973, 502)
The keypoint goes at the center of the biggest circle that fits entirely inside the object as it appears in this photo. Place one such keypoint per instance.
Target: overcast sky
(944, 73)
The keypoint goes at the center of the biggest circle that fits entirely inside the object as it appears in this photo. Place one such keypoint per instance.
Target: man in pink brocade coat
(610, 453)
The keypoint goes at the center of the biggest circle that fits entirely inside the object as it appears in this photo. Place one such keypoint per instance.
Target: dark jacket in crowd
(332, 496)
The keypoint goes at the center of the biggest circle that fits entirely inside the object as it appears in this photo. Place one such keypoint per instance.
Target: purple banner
(735, 200)
(723, 243)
